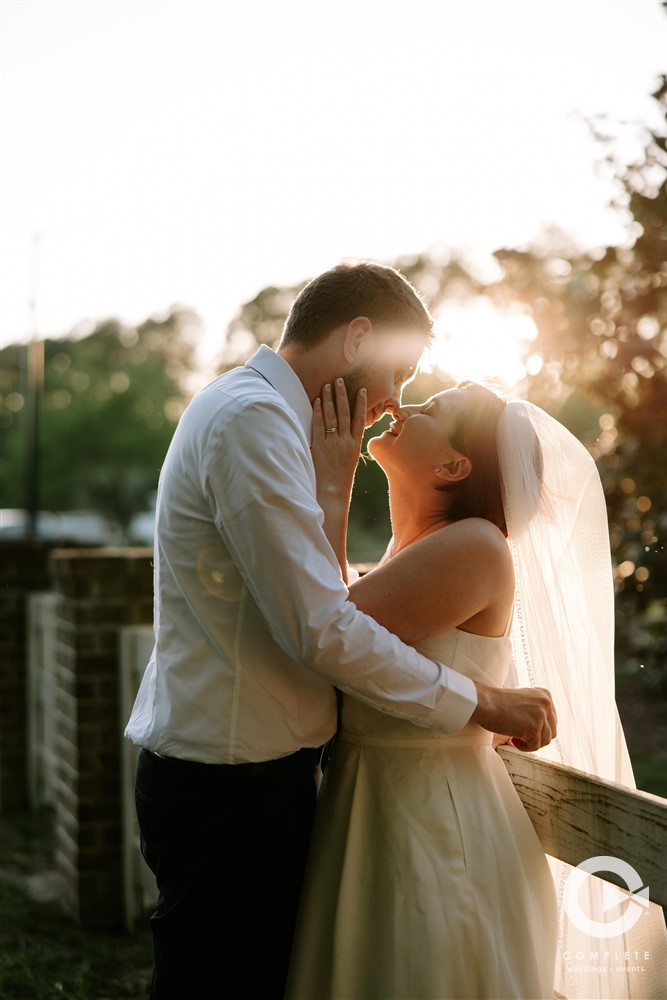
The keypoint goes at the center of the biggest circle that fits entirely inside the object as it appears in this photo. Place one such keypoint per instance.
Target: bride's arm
(335, 456)
(460, 574)
(427, 589)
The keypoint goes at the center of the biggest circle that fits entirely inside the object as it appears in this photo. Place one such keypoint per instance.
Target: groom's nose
(393, 404)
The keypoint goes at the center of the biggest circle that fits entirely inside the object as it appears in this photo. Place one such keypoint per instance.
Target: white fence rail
(42, 694)
(577, 816)
(136, 644)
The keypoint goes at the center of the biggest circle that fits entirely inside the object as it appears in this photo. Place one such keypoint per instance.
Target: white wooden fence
(575, 815)
(42, 737)
(42, 692)
(136, 644)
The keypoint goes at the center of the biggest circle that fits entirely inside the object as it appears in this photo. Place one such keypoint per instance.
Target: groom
(253, 629)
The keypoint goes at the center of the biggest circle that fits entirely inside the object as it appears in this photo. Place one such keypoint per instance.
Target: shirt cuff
(457, 703)
(352, 574)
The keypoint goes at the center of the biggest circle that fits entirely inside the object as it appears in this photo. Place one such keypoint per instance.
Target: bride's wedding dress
(426, 878)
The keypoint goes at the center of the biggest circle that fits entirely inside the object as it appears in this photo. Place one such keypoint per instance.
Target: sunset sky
(194, 152)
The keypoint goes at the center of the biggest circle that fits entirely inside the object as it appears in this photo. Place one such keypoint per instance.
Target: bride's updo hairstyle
(480, 493)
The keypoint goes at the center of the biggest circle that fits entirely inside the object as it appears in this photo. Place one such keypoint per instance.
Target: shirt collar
(284, 380)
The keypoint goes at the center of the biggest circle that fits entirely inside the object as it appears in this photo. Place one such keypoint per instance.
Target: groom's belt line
(308, 757)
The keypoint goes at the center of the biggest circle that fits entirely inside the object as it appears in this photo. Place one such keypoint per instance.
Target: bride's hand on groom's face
(337, 437)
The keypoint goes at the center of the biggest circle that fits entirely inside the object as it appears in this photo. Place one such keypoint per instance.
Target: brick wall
(24, 568)
(99, 591)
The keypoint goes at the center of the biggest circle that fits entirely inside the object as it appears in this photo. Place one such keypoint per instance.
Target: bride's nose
(403, 412)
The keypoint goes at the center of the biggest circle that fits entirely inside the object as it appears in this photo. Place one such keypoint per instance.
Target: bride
(426, 878)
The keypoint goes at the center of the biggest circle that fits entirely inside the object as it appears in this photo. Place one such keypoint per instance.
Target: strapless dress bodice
(482, 658)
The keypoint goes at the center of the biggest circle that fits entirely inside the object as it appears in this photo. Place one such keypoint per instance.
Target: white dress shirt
(253, 623)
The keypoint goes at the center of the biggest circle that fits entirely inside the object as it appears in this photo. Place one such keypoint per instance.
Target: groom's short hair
(349, 290)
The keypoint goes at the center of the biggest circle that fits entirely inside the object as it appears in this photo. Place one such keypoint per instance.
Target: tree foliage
(602, 335)
(601, 350)
(112, 396)
(110, 403)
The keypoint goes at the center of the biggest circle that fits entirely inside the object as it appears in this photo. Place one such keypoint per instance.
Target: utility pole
(35, 385)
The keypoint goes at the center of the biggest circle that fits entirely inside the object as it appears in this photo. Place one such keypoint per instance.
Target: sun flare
(478, 342)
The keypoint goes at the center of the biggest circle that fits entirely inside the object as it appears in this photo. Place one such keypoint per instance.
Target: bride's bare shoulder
(472, 534)
(441, 581)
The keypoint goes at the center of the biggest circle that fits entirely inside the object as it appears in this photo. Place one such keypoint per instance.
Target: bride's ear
(355, 337)
(455, 470)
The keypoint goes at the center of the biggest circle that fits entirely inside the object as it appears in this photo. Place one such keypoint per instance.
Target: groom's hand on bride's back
(525, 715)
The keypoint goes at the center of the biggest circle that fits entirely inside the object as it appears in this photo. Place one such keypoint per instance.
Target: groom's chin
(377, 413)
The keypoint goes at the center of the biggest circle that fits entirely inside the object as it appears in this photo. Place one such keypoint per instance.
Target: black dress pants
(227, 844)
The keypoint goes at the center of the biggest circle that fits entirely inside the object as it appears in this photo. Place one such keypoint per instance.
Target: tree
(601, 322)
(111, 401)
(602, 334)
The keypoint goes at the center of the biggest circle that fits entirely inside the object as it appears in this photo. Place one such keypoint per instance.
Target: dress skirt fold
(425, 877)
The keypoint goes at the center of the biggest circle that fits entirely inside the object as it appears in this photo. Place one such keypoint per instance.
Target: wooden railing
(578, 816)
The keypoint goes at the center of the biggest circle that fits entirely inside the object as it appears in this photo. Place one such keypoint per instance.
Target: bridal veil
(563, 640)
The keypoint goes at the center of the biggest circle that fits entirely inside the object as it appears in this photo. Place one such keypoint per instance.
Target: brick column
(24, 567)
(100, 590)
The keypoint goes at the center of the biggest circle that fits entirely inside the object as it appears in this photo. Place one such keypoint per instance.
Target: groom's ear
(356, 337)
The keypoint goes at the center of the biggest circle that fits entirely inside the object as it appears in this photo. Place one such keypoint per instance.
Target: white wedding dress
(425, 877)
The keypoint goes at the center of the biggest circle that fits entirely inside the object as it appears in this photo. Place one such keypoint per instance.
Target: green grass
(44, 955)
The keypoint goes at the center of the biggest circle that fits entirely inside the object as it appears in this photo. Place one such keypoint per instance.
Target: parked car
(81, 526)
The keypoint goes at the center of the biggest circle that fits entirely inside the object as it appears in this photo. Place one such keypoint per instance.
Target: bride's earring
(438, 468)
